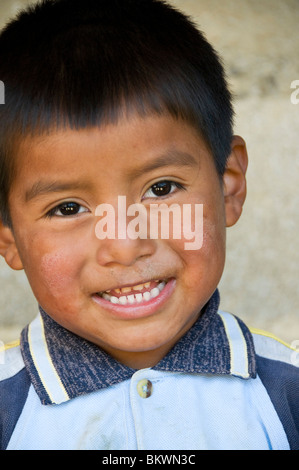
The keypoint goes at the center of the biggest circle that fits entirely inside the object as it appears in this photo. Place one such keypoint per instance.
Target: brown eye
(66, 209)
(69, 208)
(162, 188)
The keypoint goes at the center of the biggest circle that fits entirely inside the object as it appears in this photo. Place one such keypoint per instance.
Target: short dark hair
(82, 63)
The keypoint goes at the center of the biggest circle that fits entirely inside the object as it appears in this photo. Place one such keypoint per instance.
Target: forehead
(132, 146)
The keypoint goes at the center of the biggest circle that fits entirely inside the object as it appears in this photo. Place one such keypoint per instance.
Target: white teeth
(154, 292)
(161, 286)
(139, 298)
(135, 298)
(131, 299)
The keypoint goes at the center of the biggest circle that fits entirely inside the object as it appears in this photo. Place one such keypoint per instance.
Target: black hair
(83, 63)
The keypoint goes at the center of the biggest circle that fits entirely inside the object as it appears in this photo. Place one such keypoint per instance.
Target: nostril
(124, 252)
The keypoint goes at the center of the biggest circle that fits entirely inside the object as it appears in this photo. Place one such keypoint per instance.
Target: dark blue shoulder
(14, 387)
(278, 371)
(281, 381)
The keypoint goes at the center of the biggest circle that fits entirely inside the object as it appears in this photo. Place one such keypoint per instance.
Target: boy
(125, 98)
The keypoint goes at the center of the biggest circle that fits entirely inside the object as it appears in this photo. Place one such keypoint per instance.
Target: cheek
(209, 236)
(57, 275)
(214, 237)
(57, 270)
(203, 267)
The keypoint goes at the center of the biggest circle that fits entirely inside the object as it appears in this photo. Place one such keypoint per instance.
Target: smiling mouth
(134, 295)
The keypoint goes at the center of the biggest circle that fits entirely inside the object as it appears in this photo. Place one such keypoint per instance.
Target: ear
(234, 182)
(8, 248)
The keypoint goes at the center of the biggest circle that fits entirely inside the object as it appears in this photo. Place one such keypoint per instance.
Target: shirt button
(144, 388)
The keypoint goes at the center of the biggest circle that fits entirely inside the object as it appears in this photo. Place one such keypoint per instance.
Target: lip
(142, 310)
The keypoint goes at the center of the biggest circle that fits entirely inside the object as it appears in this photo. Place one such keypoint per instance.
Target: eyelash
(173, 184)
(69, 204)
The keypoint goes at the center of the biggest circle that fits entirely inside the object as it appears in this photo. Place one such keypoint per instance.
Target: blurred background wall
(259, 43)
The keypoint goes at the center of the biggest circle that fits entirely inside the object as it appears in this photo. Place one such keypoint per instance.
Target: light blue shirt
(205, 394)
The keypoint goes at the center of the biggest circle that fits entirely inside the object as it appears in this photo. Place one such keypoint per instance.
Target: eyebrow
(44, 187)
(172, 158)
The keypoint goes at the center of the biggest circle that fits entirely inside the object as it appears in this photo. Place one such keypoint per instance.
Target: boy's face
(61, 178)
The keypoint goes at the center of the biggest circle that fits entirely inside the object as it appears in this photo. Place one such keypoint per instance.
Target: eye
(66, 209)
(162, 188)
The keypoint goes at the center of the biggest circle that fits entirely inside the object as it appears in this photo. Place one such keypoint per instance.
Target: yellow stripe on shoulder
(257, 331)
(12, 344)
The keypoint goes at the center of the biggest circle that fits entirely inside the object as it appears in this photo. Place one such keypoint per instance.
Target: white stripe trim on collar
(237, 345)
(43, 363)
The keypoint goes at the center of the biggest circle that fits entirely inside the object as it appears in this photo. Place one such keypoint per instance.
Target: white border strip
(43, 363)
(237, 344)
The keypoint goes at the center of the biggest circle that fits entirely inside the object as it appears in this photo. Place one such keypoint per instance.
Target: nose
(124, 251)
(118, 244)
